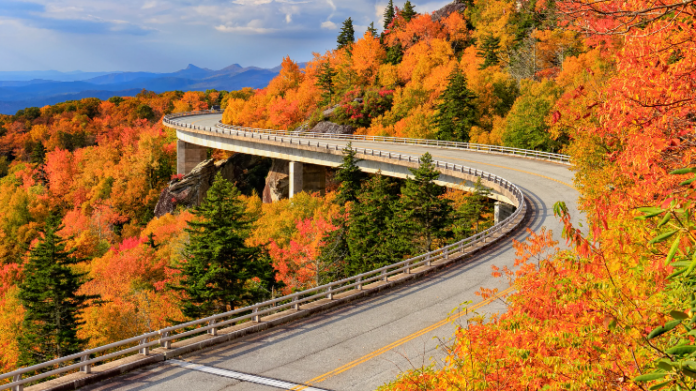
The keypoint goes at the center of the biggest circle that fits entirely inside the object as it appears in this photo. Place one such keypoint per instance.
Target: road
(365, 344)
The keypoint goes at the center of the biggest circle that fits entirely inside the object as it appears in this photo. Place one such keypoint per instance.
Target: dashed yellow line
(400, 342)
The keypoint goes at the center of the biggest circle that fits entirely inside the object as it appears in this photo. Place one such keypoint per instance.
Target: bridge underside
(307, 155)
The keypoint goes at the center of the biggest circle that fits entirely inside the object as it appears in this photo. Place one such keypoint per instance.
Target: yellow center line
(400, 342)
(493, 165)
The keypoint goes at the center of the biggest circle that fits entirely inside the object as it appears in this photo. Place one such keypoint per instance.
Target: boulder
(277, 182)
(329, 112)
(332, 128)
(447, 10)
(192, 188)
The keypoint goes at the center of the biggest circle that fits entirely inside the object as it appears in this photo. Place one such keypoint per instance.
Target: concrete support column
(296, 178)
(188, 156)
(502, 211)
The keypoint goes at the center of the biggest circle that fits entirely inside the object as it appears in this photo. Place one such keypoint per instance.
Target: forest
(610, 83)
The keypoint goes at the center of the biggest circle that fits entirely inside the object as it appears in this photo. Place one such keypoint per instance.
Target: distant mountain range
(19, 90)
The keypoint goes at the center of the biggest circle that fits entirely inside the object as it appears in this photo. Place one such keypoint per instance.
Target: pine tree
(335, 251)
(325, 81)
(389, 15)
(422, 205)
(408, 12)
(220, 272)
(49, 295)
(457, 111)
(151, 241)
(374, 236)
(347, 35)
(468, 216)
(349, 177)
(488, 49)
(39, 153)
(372, 30)
(395, 54)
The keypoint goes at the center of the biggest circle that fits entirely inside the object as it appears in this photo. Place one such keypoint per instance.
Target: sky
(167, 35)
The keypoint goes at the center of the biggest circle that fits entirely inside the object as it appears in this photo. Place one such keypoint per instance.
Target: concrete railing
(252, 314)
(496, 149)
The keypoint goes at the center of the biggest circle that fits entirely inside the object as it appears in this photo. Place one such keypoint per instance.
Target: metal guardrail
(497, 149)
(210, 325)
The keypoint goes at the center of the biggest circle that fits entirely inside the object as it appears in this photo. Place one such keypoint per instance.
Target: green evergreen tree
(488, 49)
(372, 30)
(389, 15)
(409, 11)
(38, 155)
(349, 177)
(395, 54)
(151, 241)
(336, 251)
(325, 81)
(375, 237)
(468, 217)
(457, 111)
(347, 35)
(49, 295)
(219, 271)
(422, 206)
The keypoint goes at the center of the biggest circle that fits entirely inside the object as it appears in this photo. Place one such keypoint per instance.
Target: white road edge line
(243, 376)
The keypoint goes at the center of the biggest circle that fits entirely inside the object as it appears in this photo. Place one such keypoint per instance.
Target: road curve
(365, 344)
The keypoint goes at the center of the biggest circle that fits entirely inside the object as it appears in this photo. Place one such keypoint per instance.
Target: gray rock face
(329, 112)
(332, 128)
(445, 11)
(277, 182)
(192, 188)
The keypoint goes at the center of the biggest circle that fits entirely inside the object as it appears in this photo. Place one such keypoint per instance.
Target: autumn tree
(422, 205)
(219, 271)
(347, 35)
(457, 110)
(325, 81)
(48, 292)
(389, 14)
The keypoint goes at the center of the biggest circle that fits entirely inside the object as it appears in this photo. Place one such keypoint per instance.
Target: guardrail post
(296, 305)
(17, 378)
(144, 350)
(257, 318)
(427, 260)
(87, 368)
(384, 275)
(446, 256)
(408, 268)
(165, 344)
(330, 292)
(214, 330)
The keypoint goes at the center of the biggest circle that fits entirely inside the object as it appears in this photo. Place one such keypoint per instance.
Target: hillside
(611, 83)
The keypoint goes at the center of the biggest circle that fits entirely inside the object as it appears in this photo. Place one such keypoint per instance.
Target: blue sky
(166, 35)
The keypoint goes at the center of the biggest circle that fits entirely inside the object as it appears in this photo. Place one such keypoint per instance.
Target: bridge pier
(502, 211)
(188, 156)
(296, 178)
(309, 178)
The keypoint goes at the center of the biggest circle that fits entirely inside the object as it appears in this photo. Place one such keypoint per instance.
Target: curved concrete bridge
(370, 339)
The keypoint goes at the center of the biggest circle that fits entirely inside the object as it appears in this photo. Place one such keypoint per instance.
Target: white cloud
(331, 3)
(252, 2)
(253, 27)
(149, 5)
(288, 18)
(329, 25)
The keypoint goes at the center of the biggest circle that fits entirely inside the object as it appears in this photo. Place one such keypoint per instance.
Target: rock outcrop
(277, 182)
(192, 188)
(447, 10)
(332, 128)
